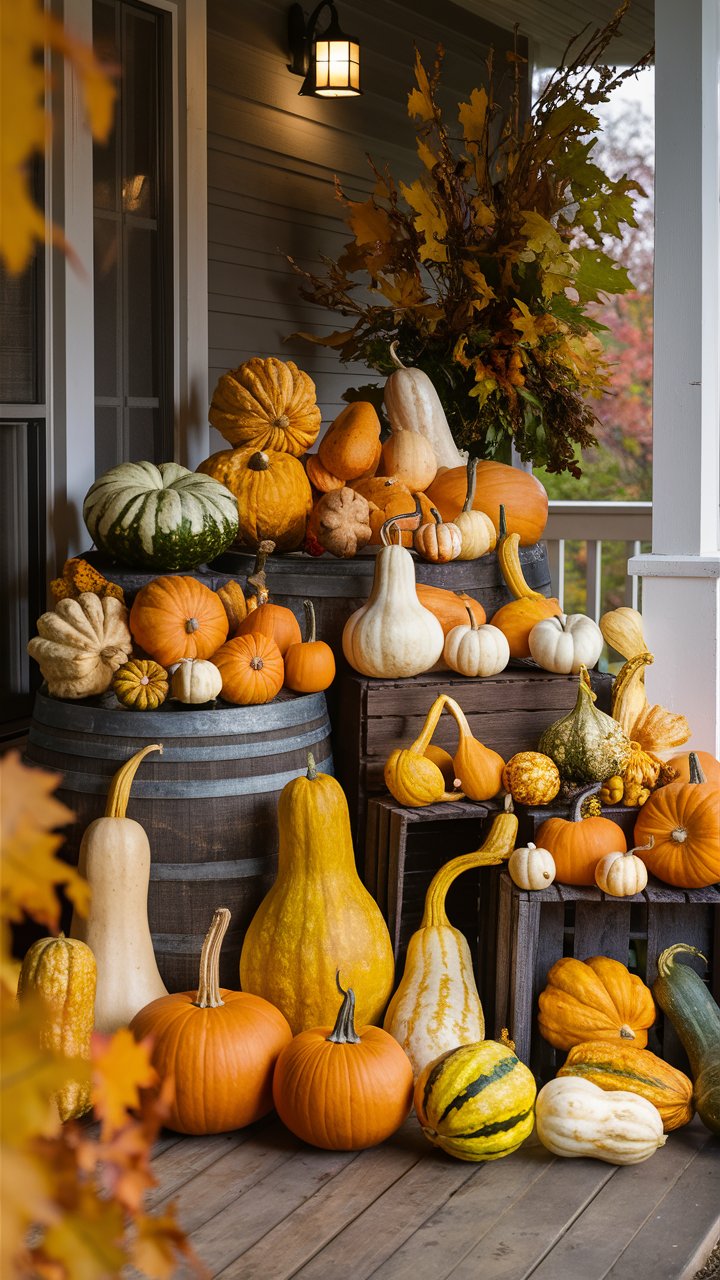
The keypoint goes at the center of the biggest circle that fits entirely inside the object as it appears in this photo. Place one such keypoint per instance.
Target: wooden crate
(536, 928)
(404, 849)
(371, 717)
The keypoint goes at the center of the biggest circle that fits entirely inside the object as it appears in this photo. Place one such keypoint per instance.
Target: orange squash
(478, 768)
(517, 619)
(275, 621)
(319, 478)
(620, 1065)
(252, 670)
(523, 496)
(174, 618)
(577, 844)
(272, 491)
(351, 444)
(709, 765)
(595, 999)
(267, 404)
(683, 819)
(220, 1047)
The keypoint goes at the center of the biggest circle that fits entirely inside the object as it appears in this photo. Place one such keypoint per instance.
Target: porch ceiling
(550, 24)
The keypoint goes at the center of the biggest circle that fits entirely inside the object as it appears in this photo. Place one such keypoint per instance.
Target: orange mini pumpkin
(595, 999)
(521, 493)
(310, 665)
(251, 668)
(220, 1047)
(683, 819)
(273, 620)
(174, 618)
(577, 844)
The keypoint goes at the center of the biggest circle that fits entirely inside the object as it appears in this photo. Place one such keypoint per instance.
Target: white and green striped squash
(159, 517)
(477, 1101)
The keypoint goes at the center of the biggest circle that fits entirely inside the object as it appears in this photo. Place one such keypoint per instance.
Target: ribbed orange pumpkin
(341, 1089)
(595, 999)
(683, 819)
(577, 844)
(523, 496)
(174, 618)
(272, 491)
(251, 668)
(273, 620)
(220, 1047)
(266, 403)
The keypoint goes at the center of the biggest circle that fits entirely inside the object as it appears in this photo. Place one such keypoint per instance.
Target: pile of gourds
(179, 640)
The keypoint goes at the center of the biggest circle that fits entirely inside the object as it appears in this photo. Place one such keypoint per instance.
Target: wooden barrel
(208, 804)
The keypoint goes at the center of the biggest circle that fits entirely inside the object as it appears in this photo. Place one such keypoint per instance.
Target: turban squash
(268, 404)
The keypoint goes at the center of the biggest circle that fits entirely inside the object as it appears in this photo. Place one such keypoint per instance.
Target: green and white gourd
(160, 517)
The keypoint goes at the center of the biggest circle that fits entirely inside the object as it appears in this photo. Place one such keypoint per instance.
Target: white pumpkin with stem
(623, 874)
(393, 635)
(413, 404)
(566, 643)
(531, 867)
(477, 530)
(115, 860)
(474, 650)
(195, 681)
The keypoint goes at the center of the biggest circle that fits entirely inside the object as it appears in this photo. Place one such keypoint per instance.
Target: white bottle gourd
(412, 404)
(115, 859)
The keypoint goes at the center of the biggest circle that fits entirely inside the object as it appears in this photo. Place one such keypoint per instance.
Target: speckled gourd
(62, 971)
(587, 745)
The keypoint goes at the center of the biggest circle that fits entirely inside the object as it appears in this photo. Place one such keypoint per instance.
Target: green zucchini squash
(687, 1002)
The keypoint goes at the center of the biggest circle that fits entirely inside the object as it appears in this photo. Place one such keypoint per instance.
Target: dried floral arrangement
(485, 268)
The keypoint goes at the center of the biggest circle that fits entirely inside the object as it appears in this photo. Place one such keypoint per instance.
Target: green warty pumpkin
(587, 745)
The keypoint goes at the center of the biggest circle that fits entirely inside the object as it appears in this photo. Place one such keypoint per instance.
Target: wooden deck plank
(306, 1234)
(685, 1224)
(628, 1201)
(183, 1160)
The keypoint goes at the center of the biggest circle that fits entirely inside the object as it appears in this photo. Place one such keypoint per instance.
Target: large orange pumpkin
(272, 491)
(577, 844)
(523, 496)
(252, 670)
(220, 1047)
(175, 618)
(709, 765)
(596, 999)
(683, 819)
(341, 1089)
(275, 621)
(268, 404)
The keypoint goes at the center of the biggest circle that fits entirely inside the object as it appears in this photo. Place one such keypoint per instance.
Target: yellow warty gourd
(436, 1006)
(318, 918)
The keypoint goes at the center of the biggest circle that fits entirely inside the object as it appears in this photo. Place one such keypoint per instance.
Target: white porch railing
(595, 524)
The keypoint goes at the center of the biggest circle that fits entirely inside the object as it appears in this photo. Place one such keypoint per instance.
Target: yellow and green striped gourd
(476, 1102)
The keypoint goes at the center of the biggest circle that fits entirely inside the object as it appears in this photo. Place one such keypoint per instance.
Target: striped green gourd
(160, 517)
(476, 1101)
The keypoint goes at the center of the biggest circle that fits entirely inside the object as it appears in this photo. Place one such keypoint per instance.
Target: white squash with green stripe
(160, 517)
(476, 1102)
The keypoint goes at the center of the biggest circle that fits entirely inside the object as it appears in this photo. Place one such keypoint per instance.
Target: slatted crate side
(536, 929)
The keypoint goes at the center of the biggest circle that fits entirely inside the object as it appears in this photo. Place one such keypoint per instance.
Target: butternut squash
(115, 859)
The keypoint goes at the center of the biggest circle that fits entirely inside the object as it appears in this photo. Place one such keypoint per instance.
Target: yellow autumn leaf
(483, 292)
(26, 1194)
(403, 289)
(430, 221)
(473, 116)
(483, 214)
(420, 104)
(525, 323)
(370, 223)
(427, 156)
(539, 233)
(30, 1075)
(159, 1244)
(121, 1067)
(88, 1239)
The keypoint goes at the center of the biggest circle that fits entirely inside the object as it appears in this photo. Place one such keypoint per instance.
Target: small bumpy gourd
(587, 745)
(63, 973)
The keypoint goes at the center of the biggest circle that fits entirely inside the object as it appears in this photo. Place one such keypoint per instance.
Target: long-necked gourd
(115, 859)
(437, 1005)
(318, 917)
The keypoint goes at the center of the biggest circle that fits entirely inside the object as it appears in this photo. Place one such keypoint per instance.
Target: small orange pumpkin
(310, 665)
(577, 844)
(174, 618)
(437, 541)
(251, 668)
(683, 819)
(220, 1047)
(273, 620)
(341, 1089)
(595, 999)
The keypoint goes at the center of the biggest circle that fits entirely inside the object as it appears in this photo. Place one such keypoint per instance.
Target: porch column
(681, 578)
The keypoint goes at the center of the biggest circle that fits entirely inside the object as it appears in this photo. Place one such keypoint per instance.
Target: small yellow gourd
(63, 973)
(531, 868)
(623, 874)
(436, 1006)
(115, 860)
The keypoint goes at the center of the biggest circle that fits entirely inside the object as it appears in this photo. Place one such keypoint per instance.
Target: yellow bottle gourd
(318, 917)
(411, 775)
(62, 972)
(437, 1005)
(115, 859)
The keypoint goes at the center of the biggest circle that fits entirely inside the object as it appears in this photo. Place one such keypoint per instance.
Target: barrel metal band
(217, 723)
(88, 749)
(180, 789)
(237, 869)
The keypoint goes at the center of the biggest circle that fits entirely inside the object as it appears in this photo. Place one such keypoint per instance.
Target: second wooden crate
(535, 929)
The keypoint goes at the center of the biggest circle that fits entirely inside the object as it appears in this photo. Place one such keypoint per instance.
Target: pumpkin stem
(436, 515)
(256, 663)
(191, 624)
(259, 461)
(641, 848)
(310, 631)
(395, 357)
(696, 769)
(344, 1030)
(208, 992)
(119, 792)
(666, 959)
(311, 767)
(496, 848)
(471, 616)
(576, 806)
(471, 484)
(257, 578)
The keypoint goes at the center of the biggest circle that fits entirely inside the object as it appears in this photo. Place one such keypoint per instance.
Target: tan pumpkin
(531, 778)
(522, 495)
(437, 541)
(266, 404)
(477, 531)
(273, 494)
(622, 875)
(410, 457)
(531, 868)
(476, 651)
(341, 522)
(195, 681)
(351, 445)
(81, 644)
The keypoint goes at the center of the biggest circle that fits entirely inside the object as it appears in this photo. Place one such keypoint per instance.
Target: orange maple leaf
(121, 1067)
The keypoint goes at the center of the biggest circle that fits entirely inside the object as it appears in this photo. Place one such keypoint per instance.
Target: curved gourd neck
(119, 792)
(495, 850)
(508, 555)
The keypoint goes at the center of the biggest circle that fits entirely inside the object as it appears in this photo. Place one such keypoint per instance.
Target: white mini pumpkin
(566, 643)
(531, 868)
(195, 680)
(623, 874)
(474, 650)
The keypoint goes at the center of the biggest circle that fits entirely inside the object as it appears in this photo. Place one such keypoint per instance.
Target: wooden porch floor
(259, 1205)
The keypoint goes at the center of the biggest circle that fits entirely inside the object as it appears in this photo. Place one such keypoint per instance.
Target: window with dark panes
(132, 186)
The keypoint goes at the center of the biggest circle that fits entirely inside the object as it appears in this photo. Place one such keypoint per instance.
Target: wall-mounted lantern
(329, 60)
